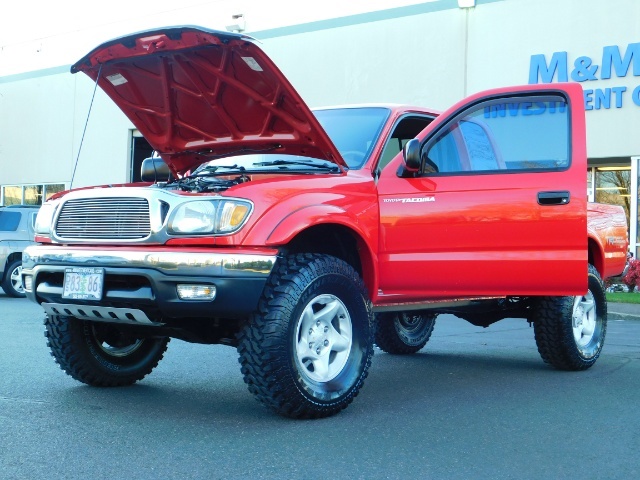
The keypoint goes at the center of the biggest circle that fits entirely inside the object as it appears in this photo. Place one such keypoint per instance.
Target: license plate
(83, 283)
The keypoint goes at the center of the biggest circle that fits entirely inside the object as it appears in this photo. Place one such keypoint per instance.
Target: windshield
(353, 131)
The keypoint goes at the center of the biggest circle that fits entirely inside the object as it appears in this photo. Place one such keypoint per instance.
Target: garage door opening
(140, 149)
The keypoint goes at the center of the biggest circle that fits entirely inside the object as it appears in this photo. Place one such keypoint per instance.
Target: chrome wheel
(324, 336)
(584, 319)
(15, 278)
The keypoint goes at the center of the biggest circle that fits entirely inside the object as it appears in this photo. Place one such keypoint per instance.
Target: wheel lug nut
(326, 343)
(310, 331)
(310, 345)
(318, 350)
(318, 323)
(326, 329)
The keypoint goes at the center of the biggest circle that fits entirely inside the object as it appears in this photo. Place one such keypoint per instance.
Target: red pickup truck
(305, 238)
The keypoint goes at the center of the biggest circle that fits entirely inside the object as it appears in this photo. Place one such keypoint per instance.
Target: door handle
(554, 198)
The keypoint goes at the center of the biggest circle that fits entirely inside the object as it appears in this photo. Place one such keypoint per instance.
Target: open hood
(198, 94)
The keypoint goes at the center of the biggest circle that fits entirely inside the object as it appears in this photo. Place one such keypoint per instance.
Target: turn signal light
(196, 292)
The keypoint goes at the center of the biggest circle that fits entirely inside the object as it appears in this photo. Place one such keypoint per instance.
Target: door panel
(505, 211)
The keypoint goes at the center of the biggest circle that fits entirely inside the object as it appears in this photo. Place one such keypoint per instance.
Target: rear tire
(308, 350)
(570, 331)
(101, 354)
(402, 333)
(12, 281)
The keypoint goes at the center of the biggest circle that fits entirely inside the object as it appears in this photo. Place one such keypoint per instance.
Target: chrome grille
(107, 218)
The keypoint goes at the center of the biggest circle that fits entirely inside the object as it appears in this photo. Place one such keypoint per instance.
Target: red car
(302, 238)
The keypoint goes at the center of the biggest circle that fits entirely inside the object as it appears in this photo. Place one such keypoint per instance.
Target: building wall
(431, 54)
(504, 35)
(41, 126)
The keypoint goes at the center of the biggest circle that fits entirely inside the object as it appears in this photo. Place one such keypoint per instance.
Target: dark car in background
(16, 232)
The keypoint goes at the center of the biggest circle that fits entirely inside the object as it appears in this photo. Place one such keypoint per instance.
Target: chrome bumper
(207, 263)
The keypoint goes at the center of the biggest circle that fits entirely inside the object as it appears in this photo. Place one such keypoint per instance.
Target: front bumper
(140, 285)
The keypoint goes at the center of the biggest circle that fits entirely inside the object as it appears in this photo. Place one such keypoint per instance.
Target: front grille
(107, 218)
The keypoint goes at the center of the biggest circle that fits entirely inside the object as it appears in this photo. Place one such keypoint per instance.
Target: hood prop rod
(95, 87)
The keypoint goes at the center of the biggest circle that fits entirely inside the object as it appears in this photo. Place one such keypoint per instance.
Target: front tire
(308, 350)
(570, 331)
(402, 333)
(12, 282)
(101, 354)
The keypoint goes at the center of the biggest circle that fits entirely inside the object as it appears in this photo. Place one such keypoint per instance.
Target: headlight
(44, 219)
(209, 216)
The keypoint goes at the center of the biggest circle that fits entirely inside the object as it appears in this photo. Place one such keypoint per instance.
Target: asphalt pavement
(473, 404)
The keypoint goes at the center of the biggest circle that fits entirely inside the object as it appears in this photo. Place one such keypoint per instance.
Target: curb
(622, 316)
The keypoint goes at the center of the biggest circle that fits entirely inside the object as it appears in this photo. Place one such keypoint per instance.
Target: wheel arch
(341, 241)
(10, 259)
(595, 254)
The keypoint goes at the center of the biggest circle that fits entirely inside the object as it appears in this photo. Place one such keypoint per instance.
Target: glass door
(634, 234)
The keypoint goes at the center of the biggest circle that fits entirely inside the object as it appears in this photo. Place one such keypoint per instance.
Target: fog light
(27, 282)
(196, 292)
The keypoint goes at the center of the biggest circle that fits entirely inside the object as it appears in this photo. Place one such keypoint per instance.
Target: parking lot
(475, 403)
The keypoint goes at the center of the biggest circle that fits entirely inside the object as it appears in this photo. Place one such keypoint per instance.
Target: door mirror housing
(411, 156)
(154, 170)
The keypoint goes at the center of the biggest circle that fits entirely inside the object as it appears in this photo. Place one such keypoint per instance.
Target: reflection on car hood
(197, 94)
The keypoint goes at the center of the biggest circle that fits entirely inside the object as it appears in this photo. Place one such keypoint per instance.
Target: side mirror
(154, 169)
(411, 155)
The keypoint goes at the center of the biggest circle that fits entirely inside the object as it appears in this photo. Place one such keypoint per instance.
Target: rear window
(9, 221)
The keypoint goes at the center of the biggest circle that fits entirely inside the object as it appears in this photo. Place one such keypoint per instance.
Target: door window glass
(514, 134)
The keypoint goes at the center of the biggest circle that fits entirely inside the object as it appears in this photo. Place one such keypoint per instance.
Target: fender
(282, 230)
(607, 237)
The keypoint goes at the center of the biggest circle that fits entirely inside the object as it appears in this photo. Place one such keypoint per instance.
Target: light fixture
(196, 292)
(612, 169)
(238, 23)
(466, 3)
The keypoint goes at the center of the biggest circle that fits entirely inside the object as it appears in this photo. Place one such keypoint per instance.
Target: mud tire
(319, 301)
(101, 354)
(570, 331)
(402, 333)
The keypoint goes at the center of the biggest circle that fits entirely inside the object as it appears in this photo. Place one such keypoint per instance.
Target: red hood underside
(198, 94)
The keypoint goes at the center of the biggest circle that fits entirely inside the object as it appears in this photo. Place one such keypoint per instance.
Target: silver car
(16, 232)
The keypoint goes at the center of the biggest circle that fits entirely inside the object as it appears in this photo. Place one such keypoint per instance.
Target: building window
(11, 195)
(590, 193)
(29, 194)
(33, 194)
(613, 186)
(53, 188)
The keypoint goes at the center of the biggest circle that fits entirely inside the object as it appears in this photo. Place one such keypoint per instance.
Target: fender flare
(297, 221)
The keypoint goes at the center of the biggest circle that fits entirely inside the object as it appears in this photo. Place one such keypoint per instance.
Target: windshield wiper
(324, 165)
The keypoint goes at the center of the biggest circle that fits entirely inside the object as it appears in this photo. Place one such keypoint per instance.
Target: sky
(38, 34)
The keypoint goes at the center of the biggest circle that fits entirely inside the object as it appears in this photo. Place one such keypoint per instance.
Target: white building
(430, 53)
